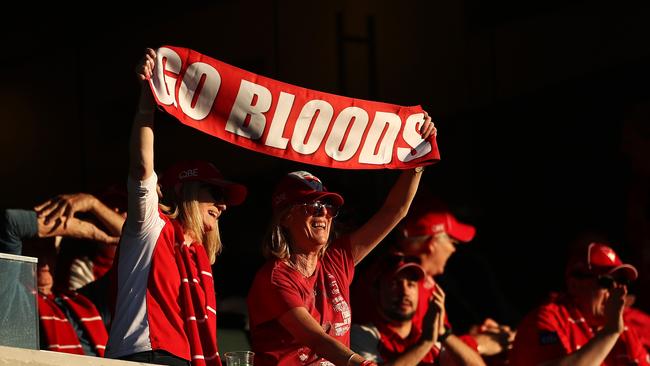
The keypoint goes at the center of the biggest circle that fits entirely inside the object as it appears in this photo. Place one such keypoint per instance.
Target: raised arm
(394, 208)
(64, 206)
(302, 326)
(596, 350)
(141, 145)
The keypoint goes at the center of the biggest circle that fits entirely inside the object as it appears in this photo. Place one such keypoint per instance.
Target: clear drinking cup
(239, 358)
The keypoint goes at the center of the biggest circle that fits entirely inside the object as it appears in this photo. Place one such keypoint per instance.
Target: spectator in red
(431, 235)
(585, 325)
(165, 302)
(298, 303)
(68, 321)
(391, 337)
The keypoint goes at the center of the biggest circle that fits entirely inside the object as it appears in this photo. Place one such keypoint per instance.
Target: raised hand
(75, 228)
(144, 69)
(428, 128)
(63, 207)
(439, 303)
(614, 306)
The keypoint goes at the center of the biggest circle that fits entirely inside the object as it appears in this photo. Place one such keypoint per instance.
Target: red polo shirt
(557, 329)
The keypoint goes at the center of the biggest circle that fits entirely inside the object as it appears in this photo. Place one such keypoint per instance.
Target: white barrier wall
(10, 356)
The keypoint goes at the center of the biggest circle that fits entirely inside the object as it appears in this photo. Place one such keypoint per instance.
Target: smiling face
(211, 205)
(444, 247)
(434, 251)
(308, 227)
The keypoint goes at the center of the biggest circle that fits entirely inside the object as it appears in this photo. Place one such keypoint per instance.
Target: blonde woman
(165, 310)
(298, 304)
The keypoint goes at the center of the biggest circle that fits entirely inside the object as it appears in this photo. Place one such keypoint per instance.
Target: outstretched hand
(76, 229)
(63, 207)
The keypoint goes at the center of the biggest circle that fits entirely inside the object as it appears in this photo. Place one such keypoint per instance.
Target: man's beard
(396, 315)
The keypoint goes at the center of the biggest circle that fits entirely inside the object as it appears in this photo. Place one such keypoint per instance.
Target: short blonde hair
(185, 208)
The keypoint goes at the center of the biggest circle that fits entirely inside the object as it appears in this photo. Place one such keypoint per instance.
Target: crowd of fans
(133, 278)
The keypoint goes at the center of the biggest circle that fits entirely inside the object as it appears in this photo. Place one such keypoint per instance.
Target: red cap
(391, 264)
(431, 223)
(302, 187)
(202, 171)
(600, 260)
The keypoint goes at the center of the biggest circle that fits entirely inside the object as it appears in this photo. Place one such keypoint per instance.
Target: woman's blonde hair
(278, 241)
(185, 208)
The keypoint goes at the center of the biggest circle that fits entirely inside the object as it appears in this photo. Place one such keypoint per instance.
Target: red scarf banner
(285, 120)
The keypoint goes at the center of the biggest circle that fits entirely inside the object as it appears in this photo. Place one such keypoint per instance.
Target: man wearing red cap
(585, 325)
(432, 236)
(391, 336)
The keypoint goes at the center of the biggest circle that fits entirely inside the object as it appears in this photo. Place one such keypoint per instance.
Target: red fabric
(57, 331)
(278, 288)
(182, 304)
(391, 345)
(640, 322)
(557, 329)
(103, 260)
(276, 118)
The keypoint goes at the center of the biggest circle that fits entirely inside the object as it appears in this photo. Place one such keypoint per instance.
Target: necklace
(299, 269)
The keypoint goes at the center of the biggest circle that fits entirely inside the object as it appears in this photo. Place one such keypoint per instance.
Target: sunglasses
(315, 208)
(607, 282)
(216, 192)
(604, 281)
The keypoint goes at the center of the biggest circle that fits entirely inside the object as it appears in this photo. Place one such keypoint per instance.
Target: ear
(430, 246)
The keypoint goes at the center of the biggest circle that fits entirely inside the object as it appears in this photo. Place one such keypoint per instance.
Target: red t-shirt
(557, 329)
(278, 288)
(640, 322)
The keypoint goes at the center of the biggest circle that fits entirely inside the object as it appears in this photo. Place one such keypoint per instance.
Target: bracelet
(419, 169)
(350, 358)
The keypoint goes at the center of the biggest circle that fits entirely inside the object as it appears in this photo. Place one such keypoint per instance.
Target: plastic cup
(239, 358)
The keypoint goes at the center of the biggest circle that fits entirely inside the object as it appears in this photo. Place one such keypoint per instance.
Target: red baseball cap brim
(626, 270)
(410, 266)
(331, 197)
(464, 233)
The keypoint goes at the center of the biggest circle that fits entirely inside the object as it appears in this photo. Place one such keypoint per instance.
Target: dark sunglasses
(607, 282)
(604, 281)
(215, 192)
(315, 208)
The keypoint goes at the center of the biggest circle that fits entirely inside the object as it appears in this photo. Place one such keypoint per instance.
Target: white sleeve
(364, 340)
(143, 204)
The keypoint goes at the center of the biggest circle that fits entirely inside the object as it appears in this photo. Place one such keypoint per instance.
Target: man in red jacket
(585, 325)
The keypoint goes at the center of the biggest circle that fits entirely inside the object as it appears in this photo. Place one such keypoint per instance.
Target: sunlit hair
(415, 242)
(278, 241)
(187, 211)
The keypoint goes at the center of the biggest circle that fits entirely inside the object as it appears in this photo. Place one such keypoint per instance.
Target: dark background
(542, 109)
